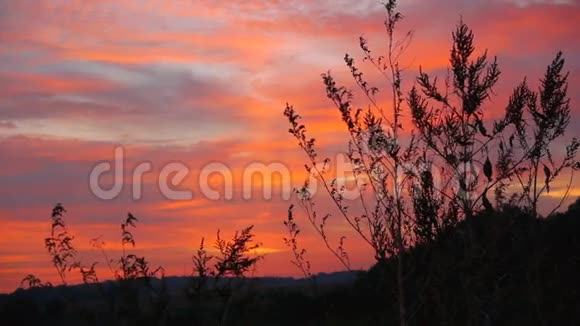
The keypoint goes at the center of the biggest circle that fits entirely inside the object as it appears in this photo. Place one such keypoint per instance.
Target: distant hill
(174, 285)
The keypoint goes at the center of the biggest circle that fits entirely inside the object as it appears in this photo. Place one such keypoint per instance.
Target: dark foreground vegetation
(497, 268)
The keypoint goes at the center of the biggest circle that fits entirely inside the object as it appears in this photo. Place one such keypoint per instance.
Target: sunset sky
(202, 81)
